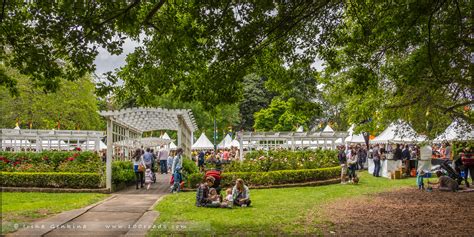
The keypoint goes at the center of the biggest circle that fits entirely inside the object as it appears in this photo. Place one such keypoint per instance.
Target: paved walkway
(120, 215)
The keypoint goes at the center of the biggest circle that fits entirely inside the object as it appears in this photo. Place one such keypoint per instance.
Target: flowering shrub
(50, 161)
(263, 161)
(254, 179)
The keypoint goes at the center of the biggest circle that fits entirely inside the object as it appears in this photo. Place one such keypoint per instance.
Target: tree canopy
(73, 106)
(385, 60)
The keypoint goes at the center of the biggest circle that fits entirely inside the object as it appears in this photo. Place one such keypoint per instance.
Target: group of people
(351, 159)
(144, 166)
(208, 194)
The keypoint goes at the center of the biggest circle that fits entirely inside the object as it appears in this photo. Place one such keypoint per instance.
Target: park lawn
(24, 207)
(274, 211)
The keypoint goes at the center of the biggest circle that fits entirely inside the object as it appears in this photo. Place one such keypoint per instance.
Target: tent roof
(173, 146)
(165, 136)
(354, 138)
(235, 143)
(328, 129)
(458, 130)
(398, 132)
(203, 143)
(225, 143)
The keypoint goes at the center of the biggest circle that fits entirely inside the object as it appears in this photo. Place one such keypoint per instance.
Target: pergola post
(108, 165)
(241, 146)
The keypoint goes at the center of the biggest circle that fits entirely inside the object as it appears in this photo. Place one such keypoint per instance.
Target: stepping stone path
(125, 213)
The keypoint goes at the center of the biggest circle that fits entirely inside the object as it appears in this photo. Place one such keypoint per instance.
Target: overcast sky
(106, 62)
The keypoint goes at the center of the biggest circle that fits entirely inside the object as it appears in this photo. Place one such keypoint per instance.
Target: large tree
(389, 56)
(73, 106)
(408, 60)
(254, 98)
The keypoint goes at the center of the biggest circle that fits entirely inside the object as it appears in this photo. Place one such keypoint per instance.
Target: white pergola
(129, 124)
(254, 140)
(38, 140)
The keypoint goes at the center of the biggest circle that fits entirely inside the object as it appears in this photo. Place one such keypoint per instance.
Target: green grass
(20, 207)
(274, 211)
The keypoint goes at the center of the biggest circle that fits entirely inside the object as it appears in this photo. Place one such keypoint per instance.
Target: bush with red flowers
(50, 161)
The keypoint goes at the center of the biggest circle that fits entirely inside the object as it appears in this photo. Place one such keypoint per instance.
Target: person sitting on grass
(214, 197)
(228, 201)
(445, 183)
(202, 194)
(241, 194)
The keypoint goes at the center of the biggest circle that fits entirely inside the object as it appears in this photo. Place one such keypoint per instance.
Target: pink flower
(70, 158)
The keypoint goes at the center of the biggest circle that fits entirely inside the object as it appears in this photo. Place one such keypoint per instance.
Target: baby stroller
(217, 176)
(451, 172)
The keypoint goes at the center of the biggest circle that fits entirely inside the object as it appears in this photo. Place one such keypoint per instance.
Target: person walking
(169, 162)
(139, 167)
(176, 169)
(361, 157)
(376, 157)
(148, 158)
(163, 157)
(343, 163)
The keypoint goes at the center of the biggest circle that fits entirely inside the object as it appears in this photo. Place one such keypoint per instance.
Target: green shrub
(50, 161)
(189, 166)
(122, 172)
(51, 180)
(264, 161)
(271, 177)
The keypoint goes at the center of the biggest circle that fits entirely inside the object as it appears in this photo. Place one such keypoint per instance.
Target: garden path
(126, 213)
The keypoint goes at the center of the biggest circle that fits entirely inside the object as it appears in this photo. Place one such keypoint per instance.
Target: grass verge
(274, 211)
(24, 207)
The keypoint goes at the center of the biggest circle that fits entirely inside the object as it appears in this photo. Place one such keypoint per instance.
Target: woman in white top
(137, 164)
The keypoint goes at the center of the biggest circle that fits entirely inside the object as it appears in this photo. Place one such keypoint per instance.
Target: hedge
(51, 180)
(271, 177)
(122, 172)
(264, 161)
(51, 161)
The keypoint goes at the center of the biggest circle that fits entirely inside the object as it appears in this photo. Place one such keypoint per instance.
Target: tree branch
(3, 10)
(153, 11)
(134, 4)
(398, 106)
(451, 108)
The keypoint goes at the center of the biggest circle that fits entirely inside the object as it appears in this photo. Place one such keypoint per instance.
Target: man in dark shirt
(361, 157)
(397, 154)
(406, 156)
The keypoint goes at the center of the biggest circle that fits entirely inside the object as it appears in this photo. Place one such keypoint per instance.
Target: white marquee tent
(354, 138)
(328, 129)
(399, 132)
(202, 143)
(225, 143)
(235, 143)
(172, 146)
(457, 131)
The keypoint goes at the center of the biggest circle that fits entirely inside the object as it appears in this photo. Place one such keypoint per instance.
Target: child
(228, 199)
(214, 197)
(148, 177)
(419, 180)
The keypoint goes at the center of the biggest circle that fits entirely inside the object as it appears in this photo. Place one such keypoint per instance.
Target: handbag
(141, 168)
